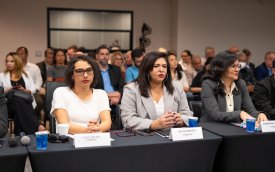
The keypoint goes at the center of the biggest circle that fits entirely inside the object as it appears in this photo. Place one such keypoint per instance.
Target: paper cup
(63, 129)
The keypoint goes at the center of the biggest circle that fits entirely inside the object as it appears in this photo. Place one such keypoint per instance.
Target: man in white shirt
(34, 70)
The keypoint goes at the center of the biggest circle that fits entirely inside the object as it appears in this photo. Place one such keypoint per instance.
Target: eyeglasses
(235, 66)
(55, 139)
(81, 72)
(126, 132)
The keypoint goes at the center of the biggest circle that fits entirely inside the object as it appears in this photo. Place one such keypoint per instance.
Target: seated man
(110, 79)
(264, 94)
(3, 114)
(265, 69)
(132, 72)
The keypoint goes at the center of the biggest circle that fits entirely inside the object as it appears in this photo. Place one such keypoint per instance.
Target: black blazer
(43, 69)
(115, 77)
(3, 114)
(264, 96)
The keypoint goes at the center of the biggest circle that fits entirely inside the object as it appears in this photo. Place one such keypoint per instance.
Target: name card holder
(268, 126)
(92, 140)
(186, 133)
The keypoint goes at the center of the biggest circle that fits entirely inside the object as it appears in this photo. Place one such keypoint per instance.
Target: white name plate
(186, 133)
(92, 140)
(268, 126)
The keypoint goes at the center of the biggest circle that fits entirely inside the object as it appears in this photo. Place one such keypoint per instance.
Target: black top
(19, 82)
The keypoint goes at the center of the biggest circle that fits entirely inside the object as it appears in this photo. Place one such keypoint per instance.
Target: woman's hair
(178, 69)
(146, 67)
(70, 70)
(54, 56)
(18, 64)
(218, 66)
(114, 56)
(188, 52)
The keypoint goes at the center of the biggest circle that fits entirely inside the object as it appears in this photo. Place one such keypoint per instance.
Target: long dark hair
(178, 69)
(218, 66)
(143, 79)
(54, 56)
(70, 70)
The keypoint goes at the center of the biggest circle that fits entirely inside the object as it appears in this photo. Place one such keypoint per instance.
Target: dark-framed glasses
(81, 72)
(236, 66)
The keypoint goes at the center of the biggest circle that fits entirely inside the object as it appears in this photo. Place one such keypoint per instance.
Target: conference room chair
(196, 107)
(50, 87)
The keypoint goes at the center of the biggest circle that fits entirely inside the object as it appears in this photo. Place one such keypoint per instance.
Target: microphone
(25, 140)
(12, 141)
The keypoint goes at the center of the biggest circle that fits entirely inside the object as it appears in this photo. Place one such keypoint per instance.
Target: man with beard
(132, 72)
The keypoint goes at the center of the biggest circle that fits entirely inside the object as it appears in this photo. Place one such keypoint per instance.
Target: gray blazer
(139, 112)
(214, 107)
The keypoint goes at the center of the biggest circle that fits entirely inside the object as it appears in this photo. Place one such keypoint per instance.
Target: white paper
(186, 133)
(268, 126)
(92, 140)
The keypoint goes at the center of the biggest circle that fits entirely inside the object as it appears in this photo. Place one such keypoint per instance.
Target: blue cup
(193, 121)
(250, 125)
(41, 140)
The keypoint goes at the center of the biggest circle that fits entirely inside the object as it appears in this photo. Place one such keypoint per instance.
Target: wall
(176, 24)
(221, 23)
(25, 23)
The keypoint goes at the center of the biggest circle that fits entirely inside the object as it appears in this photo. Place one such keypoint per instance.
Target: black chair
(196, 107)
(50, 87)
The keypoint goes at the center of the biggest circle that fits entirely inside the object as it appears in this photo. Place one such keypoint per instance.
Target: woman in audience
(58, 70)
(225, 97)
(118, 60)
(176, 71)
(21, 110)
(186, 64)
(81, 106)
(152, 101)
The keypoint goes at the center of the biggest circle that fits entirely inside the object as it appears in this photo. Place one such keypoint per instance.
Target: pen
(161, 135)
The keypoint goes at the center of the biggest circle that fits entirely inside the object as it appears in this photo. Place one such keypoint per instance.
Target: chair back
(196, 107)
(50, 87)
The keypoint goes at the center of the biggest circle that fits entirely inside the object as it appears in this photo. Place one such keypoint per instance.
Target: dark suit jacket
(115, 77)
(3, 114)
(214, 107)
(261, 72)
(43, 69)
(264, 96)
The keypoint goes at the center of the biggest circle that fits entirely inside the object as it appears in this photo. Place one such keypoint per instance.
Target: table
(241, 151)
(135, 154)
(12, 158)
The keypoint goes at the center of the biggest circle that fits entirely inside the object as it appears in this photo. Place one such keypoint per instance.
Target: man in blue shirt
(132, 72)
(265, 69)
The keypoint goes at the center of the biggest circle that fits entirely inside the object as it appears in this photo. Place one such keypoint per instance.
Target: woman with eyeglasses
(152, 101)
(224, 96)
(84, 108)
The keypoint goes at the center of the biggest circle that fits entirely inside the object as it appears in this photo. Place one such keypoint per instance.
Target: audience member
(84, 108)
(110, 79)
(264, 94)
(234, 49)
(265, 69)
(247, 57)
(196, 63)
(197, 81)
(57, 71)
(177, 74)
(186, 65)
(46, 63)
(132, 72)
(118, 60)
(153, 102)
(224, 96)
(128, 59)
(246, 73)
(35, 73)
(21, 110)
(71, 52)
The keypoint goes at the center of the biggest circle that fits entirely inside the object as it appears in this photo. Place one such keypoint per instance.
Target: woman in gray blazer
(224, 96)
(152, 101)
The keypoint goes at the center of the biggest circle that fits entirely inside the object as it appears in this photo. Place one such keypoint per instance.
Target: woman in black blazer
(224, 96)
